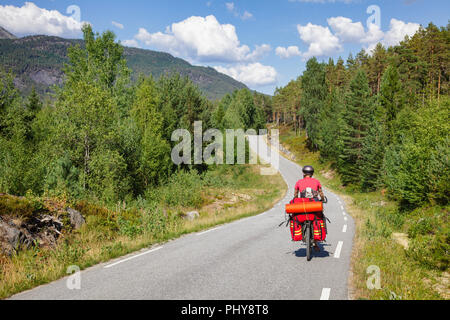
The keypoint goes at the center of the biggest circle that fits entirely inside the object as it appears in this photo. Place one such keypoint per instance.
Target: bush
(416, 166)
(182, 189)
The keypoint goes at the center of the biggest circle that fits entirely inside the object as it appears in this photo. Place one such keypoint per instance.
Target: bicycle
(308, 228)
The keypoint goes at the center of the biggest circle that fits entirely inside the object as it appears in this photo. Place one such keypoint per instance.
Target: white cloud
(398, 30)
(230, 6)
(202, 39)
(131, 43)
(247, 15)
(286, 53)
(253, 75)
(30, 19)
(346, 30)
(320, 39)
(117, 24)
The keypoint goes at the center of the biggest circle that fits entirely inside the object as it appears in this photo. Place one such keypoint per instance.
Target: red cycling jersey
(308, 182)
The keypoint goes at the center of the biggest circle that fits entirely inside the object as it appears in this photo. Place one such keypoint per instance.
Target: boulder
(9, 238)
(192, 215)
(12, 237)
(76, 219)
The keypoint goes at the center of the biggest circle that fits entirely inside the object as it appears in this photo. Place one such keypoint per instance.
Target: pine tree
(356, 118)
(314, 94)
(392, 99)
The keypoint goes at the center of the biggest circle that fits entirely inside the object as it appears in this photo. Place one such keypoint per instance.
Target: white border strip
(325, 294)
(133, 257)
(214, 229)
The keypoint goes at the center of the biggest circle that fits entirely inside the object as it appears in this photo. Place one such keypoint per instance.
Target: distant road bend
(249, 259)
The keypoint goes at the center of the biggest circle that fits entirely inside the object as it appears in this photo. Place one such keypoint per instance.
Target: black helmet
(309, 170)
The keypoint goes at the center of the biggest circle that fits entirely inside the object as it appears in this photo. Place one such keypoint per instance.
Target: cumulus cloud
(202, 39)
(398, 30)
(289, 52)
(117, 24)
(253, 74)
(30, 19)
(346, 30)
(320, 40)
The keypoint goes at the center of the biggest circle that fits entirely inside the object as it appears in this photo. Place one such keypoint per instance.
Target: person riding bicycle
(308, 187)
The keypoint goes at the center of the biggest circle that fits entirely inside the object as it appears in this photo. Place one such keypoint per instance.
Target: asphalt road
(249, 259)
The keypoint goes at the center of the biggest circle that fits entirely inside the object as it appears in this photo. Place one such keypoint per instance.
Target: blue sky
(249, 40)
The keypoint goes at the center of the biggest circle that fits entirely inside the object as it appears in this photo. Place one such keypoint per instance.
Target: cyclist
(308, 187)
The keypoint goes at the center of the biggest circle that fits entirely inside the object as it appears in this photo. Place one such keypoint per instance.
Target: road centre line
(337, 253)
(133, 257)
(344, 229)
(325, 294)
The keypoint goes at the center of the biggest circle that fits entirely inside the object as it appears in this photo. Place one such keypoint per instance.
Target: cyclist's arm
(322, 196)
(296, 193)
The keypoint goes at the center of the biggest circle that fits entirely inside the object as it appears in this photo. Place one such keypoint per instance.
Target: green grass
(117, 230)
(415, 273)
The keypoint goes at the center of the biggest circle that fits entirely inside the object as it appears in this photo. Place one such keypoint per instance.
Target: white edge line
(214, 229)
(345, 218)
(337, 253)
(136, 256)
(325, 294)
(344, 229)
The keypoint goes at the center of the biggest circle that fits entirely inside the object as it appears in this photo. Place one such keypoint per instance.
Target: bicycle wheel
(308, 242)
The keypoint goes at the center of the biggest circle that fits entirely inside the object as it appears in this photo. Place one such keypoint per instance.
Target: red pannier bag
(320, 232)
(306, 210)
(296, 229)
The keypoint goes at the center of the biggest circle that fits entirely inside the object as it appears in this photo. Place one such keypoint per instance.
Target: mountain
(5, 34)
(38, 61)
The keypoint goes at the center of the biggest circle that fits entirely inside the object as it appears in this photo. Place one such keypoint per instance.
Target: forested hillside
(105, 136)
(381, 119)
(39, 60)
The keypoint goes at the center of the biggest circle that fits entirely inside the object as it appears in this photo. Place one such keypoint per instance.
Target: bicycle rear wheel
(308, 242)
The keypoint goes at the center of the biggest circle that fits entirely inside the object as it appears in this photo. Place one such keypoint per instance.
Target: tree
(356, 118)
(314, 94)
(154, 150)
(392, 99)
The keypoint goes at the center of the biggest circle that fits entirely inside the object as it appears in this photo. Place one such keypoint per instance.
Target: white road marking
(345, 218)
(199, 234)
(133, 257)
(344, 213)
(344, 230)
(342, 207)
(325, 294)
(337, 253)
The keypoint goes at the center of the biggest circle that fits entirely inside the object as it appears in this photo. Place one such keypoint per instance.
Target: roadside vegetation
(102, 147)
(377, 128)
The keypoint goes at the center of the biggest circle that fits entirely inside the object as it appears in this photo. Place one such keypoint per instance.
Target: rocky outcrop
(22, 227)
(76, 219)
